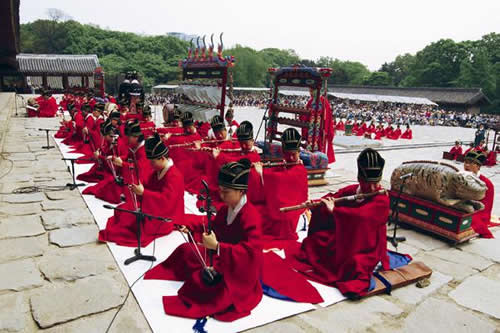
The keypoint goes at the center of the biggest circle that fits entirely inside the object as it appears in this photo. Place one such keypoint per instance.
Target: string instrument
(316, 203)
(118, 179)
(209, 275)
(134, 175)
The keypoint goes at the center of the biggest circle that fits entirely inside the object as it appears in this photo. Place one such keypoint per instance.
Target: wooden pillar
(86, 81)
(44, 81)
(65, 81)
(83, 81)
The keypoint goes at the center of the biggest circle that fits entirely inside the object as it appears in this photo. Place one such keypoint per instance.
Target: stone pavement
(55, 276)
(60, 280)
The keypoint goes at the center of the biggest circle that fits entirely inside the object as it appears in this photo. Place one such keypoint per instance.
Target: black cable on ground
(137, 280)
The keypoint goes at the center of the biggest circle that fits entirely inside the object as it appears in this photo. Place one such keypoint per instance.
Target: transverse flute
(316, 203)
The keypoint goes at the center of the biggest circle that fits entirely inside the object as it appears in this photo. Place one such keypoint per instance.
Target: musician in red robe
(407, 134)
(395, 134)
(481, 221)
(229, 287)
(148, 126)
(283, 186)
(248, 151)
(130, 156)
(491, 158)
(48, 105)
(211, 162)
(67, 126)
(456, 150)
(388, 130)
(186, 159)
(340, 126)
(161, 195)
(379, 132)
(346, 241)
(371, 128)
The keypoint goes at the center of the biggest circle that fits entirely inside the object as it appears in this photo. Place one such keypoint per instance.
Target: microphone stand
(139, 217)
(47, 130)
(394, 218)
(73, 185)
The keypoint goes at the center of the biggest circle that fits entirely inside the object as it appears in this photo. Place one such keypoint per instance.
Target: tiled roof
(57, 63)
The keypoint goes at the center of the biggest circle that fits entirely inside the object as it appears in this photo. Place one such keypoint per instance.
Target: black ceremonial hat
(217, 123)
(235, 174)
(370, 165)
(187, 119)
(133, 128)
(245, 131)
(290, 140)
(155, 147)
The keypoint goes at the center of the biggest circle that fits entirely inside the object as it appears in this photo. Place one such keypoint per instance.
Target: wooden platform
(454, 225)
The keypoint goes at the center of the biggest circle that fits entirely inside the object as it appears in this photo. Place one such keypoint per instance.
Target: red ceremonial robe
(162, 197)
(408, 134)
(147, 128)
(48, 108)
(239, 261)
(100, 168)
(283, 186)
(395, 134)
(491, 159)
(211, 167)
(343, 249)
(456, 151)
(379, 133)
(76, 137)
(330, 131)
(185, 160)
(340, 126)
(108, 190)
(482, 220)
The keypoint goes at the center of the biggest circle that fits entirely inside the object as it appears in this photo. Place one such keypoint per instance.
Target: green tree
(378, 79)
(250, 69)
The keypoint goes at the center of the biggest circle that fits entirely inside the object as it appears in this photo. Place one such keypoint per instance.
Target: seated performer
(340, 126)
(456, 150)
(100, 168)
(110, 189)
(346, 241)
(244, 134)
(395, 134)
(148, 126)
(48, 105)
(236, 262)
(407, 134)
(379, 132)
(281, 186)
(183, 158)
(219, 154)
(482, 220)
(388, 130)
(161, 195)
(491, 157)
